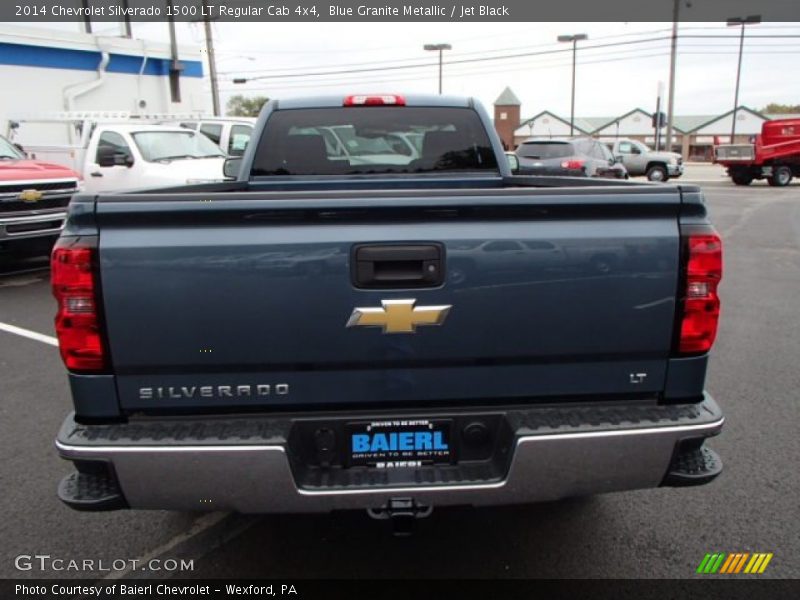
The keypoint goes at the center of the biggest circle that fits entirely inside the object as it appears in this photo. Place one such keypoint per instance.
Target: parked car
(33, 199)
(120, 156)
(577, 157)
(387, 384)
(641, 160)
(775, 155)
(231, 134)
(345, 144)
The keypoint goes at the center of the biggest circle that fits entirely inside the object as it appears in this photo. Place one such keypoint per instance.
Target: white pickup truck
(231, 134)
(641, 160)
(114, 156)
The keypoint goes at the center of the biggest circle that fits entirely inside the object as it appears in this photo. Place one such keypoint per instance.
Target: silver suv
(577, 157)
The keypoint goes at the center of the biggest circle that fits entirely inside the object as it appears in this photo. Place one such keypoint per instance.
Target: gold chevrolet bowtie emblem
(30, 195)
(398, 316)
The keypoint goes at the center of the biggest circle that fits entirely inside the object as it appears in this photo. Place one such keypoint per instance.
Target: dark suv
(578, 157)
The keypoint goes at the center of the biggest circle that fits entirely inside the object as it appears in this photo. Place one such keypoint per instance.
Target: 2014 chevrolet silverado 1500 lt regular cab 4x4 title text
(334, 331)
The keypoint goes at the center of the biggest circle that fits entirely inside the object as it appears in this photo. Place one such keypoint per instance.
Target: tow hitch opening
(401, 513)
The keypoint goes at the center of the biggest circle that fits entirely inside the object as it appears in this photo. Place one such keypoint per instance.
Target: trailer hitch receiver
(401, 513)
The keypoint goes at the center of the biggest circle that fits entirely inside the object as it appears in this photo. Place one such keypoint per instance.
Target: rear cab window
(212, 131)
(543, 150)
(375, 140)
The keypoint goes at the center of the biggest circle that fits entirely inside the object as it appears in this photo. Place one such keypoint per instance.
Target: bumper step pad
(536, 453)
(693, 467)
(91, 492)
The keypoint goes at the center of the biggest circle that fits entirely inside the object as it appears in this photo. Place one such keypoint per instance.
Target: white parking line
(197, 527)
(32, 335)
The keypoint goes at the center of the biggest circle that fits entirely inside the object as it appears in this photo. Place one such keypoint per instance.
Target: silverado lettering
(211, 391)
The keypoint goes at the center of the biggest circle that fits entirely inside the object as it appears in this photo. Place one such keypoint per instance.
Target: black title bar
(388, 10)
(708, 588)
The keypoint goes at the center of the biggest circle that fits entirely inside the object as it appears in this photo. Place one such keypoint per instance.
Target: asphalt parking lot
(752, 507)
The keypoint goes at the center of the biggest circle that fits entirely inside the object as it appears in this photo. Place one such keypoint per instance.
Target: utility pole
(734, 22)
(672, 59)
(126, 26)
(175, 66)
(657, 121)
(574, 39)
(212, 63)
(441, 48)
(87, 20)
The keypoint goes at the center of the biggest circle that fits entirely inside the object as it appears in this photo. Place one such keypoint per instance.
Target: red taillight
(700, 314)
(77, 323)
(572, 163)
(375, 100)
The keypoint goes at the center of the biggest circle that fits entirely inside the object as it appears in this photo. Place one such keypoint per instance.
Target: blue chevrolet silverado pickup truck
(375, 313)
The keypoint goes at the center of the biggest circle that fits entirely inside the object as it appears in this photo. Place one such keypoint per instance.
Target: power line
(527, 62)
(362, 49)
(385, 67)
(521, 63)
(453, 57)
(449, 62)
(505, 34)
(471, 72)
(455, 54)
(371, 81)
(474, 72)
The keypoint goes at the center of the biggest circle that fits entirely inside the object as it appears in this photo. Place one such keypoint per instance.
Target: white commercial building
(47, 71)
(694, 136)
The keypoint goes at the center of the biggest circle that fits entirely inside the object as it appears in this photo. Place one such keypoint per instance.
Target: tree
(241, 106)
(780, 109)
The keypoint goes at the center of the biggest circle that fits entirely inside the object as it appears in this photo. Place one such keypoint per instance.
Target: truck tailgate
(221, 302)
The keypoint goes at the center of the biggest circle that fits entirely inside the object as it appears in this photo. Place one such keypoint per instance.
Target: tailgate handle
(403, 266)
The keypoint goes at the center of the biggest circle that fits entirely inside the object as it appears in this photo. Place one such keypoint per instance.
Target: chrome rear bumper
(569, 452)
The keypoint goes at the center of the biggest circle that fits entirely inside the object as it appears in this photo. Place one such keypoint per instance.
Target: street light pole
(574, 39)
(733, 22)
(440, 48)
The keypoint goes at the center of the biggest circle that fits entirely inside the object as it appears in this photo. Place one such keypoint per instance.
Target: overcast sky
(610, 80)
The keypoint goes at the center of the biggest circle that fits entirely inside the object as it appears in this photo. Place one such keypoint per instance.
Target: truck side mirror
(105, 156)
(618, 157)
(513, 161)
(231, 167)
(109, 157)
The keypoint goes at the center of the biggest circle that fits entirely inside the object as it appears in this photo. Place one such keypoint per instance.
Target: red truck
(775, 155)
(33, 200)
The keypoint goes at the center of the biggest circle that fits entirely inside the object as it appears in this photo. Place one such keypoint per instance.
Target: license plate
(400, 443)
